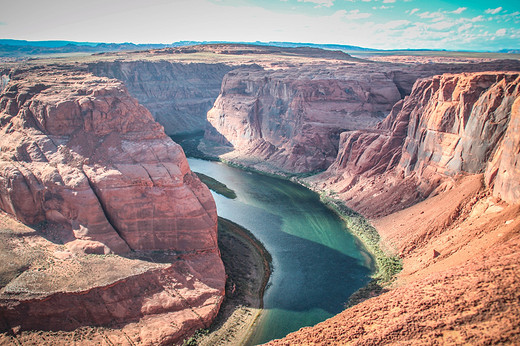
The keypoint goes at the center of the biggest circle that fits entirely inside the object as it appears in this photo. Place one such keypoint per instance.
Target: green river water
(317, 264)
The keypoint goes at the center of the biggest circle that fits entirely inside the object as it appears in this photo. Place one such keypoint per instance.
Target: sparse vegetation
(386, 266)
(217, 186)
(193, 340)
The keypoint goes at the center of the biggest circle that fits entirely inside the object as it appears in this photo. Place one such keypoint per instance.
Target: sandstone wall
(178, 95)
(450, 124)
(78, 151)
(292, 118)
(86, 162)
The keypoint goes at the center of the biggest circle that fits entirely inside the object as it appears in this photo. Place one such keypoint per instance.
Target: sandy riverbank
(247, 265)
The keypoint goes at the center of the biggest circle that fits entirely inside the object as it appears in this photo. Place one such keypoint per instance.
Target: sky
(382, 24)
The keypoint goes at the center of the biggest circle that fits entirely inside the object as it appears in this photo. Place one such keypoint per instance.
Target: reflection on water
(317, 264)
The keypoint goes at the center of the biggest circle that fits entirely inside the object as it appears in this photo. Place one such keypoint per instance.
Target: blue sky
(385, 24)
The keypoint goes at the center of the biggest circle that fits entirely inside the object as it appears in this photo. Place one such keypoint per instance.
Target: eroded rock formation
(83, 156)
(79, 151)
(448, 153)
(178, 95)
(292, 118)
(450, 124)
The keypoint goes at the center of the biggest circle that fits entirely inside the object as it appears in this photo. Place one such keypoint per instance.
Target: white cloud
(493, 10)
(477, 19)
(414, 11)
(433, 16)
(382, 7)
(395, 24)
(501, 32)
(388, 1)
(459, 10)
(319, 3)
(355, 14)
(442, 25)
(465, 27)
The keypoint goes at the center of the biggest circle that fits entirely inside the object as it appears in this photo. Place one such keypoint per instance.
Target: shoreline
(384, 266)
(248, 269)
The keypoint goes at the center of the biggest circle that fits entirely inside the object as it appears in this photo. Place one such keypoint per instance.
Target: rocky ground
(137, 299)
(245, 260)
(248, 268)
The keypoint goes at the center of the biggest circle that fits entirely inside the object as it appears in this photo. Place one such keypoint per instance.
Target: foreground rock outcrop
(82, 153)
(87, 163)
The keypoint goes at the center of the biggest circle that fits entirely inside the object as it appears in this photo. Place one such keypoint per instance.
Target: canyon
(428, 151)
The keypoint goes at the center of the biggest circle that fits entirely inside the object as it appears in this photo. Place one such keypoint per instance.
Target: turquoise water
(317, 265)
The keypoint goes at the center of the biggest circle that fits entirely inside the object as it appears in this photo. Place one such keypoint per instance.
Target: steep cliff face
(292, 118)
(448, 153)
(81, 152)
(178, 95)
(88, 163)
(450, 124)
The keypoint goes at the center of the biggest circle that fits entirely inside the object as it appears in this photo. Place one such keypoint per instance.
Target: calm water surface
(317, 264)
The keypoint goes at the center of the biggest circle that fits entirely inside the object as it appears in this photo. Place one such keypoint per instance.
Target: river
(317, 264)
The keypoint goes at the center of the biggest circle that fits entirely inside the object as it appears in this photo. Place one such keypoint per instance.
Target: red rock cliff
(292, 118)
(79, 151)
(178, 95)
(440, 175)
(82, 155)
(450, 124)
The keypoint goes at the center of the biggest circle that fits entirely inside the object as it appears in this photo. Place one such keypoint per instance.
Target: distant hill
(510, 51)
(322, 46)
(53, 44)
(340, 47)
(22, 48)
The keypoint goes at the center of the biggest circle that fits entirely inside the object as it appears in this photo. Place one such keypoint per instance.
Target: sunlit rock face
(450, 124)
(79, 151)
(292, 118)
(86, 162)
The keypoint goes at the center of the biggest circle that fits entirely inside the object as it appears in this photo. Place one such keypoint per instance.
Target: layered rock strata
(82, 153)
(86, 162)
(450, 124)
(178, 95)
(292, 118)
